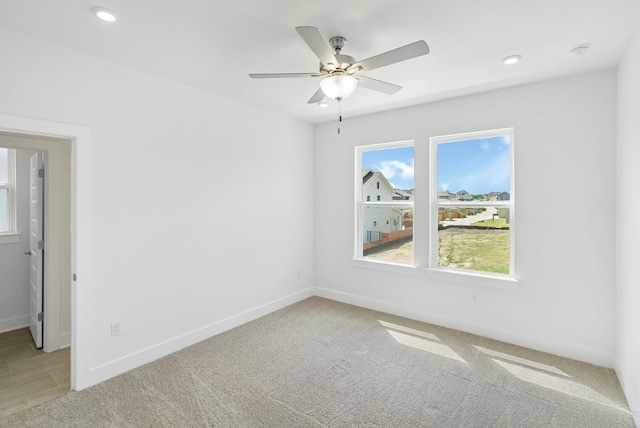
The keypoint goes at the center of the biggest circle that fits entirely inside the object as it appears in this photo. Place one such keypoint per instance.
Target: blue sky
(395, 164)
(478, 166)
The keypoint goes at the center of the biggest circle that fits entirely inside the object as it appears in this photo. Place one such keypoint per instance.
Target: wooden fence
(387, 238)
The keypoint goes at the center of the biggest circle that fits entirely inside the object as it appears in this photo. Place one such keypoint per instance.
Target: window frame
(470, 276)
(9, 235)
(359, 204)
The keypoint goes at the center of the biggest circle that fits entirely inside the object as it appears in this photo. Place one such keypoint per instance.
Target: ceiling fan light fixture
(338, 86)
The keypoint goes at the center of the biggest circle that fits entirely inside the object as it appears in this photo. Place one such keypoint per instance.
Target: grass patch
(474, 249)
(497, 222)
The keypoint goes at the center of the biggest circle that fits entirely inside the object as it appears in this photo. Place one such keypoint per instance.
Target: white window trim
(386, 266)
(359, 259)
(10, 236)
(484, 279)
(509, 281)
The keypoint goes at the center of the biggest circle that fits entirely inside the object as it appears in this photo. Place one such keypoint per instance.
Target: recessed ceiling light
(105, 14)
(322, 104)
(511, 59)
(579, 50)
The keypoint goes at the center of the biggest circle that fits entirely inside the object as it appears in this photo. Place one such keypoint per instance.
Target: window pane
(387, 233)
(387, 174)
(4, 165)
(386, 202)
(4, 221)
(478, 169)
(474, 238)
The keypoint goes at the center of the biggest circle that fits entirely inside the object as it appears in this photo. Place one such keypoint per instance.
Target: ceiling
(214, 44)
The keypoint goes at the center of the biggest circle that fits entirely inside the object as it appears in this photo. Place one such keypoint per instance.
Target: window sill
(483, 279)
(384, 266)
(9, 238)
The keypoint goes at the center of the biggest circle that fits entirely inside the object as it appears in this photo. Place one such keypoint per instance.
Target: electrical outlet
(116, 328)
(474, 297)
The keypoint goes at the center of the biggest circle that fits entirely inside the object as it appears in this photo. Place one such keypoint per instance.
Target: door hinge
(41, 172)
(40, 245)
(40, 316)
(75, 278)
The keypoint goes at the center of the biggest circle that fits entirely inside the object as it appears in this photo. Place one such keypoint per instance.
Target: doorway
(81, 325)
(56, 242)
(44, 277)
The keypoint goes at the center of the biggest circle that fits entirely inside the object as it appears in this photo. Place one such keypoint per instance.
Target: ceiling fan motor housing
(344, 62)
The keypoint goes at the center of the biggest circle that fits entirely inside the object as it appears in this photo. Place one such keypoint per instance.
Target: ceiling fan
(341, 73)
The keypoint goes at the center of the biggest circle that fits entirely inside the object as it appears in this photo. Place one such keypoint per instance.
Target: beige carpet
(321, 363)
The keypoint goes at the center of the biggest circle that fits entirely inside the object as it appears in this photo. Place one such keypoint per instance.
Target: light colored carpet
(320, 363)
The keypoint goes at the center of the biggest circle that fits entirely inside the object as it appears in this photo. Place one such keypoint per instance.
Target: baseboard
(10, 324)
(121, 365)
(144, 356)
(633, 399)
(501, 333)
(63, 340)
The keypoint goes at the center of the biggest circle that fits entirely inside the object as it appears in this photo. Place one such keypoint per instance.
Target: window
(384, 227)
(7, 191)
(472, 203)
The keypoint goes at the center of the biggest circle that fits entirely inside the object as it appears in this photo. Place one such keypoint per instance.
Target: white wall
(628, 230)
(565, 180)
(191, 232)
(14, 265)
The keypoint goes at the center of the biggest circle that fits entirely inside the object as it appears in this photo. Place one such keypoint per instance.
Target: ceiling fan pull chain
(339, 115)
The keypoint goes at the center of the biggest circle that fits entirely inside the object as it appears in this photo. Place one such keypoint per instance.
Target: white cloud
(484, 145)
(392, 168)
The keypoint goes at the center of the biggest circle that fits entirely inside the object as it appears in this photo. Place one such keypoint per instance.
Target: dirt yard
(402, 253)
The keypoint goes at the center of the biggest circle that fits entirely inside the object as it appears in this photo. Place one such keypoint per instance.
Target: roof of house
(402, 194)
(368, 175)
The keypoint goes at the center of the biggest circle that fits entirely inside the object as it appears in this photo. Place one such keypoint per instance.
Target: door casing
(76, 143)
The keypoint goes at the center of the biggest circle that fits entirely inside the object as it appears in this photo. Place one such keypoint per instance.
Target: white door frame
(81, 302)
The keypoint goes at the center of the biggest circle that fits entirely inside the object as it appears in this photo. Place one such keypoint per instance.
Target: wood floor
(29, 376)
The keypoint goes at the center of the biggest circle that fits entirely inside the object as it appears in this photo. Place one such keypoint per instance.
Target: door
(36, 247)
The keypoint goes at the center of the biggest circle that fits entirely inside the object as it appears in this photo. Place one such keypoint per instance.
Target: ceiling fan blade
(279, 75)
(317, 97)
(378, 85)
(318, 44)
(404, 53)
